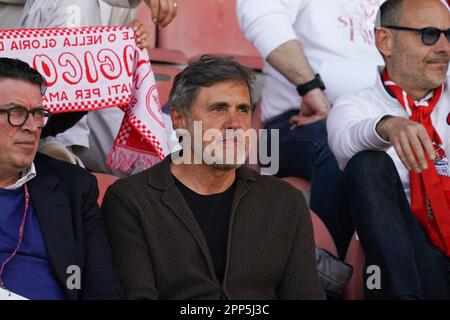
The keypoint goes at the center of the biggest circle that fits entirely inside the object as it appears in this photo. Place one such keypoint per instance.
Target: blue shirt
(28, 273)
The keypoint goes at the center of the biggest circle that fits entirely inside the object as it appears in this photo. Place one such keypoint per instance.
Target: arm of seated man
(410, 140)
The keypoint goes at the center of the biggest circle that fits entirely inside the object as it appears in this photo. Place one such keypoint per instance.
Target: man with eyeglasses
(52, 241)
(393, 140)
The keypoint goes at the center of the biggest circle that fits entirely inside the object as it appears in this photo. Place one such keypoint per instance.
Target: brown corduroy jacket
(161, 253)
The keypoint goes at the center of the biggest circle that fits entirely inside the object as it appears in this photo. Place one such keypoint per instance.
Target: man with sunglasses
(314, 51)
(52, 241)
(400, 197)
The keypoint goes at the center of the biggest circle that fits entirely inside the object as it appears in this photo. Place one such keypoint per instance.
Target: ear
(384, 40)
(178, 120)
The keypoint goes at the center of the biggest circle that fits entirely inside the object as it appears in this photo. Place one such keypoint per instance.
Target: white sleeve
(351, 128)
(268, 24)
(131, 4)
(77, 135)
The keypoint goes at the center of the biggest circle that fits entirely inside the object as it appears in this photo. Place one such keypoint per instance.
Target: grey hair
(390, 13)
(205, 72)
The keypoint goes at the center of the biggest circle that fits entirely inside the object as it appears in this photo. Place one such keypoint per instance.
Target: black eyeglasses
(430, 35)
(18, 115)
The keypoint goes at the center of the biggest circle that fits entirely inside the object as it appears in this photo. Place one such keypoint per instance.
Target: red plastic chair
(354, 290)
(322, 237)
(104, 181)
(143, 15)
(164, 76)
(167, 56)
(299, 183)
(208, 27)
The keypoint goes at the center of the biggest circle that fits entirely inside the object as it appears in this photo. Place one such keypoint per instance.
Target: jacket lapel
(161, 178)
(243, 175)
(176, 202)
(53, 210)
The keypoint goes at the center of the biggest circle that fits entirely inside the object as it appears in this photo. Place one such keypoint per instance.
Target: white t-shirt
(67, 13)
(337, 37)
(352, 121)
(10, 12)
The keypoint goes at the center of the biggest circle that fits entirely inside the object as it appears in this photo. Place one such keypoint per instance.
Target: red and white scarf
(430, 190)
(93, 68)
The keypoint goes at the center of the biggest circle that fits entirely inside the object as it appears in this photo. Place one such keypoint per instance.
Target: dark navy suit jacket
(65, 199)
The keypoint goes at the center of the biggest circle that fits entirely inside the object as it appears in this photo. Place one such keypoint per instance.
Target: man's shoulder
(158, 176)
(133, 180)
(45, 164)
(276, 200)
(271, 186)
(365, 95)
(366, 102)
(128, 186)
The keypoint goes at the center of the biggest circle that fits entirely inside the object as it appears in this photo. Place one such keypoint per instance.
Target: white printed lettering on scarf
(91, 68)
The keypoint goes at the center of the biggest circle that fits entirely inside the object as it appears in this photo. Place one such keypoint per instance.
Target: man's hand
(290, 60)
(315, 106)
(163, 11)
(141, 34)
(410, 140)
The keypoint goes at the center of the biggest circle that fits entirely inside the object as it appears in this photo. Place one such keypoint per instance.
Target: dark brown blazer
(161, 253)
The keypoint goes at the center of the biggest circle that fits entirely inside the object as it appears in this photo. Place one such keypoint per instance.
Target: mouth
(439, 64)
(26, 143)
(233, 141)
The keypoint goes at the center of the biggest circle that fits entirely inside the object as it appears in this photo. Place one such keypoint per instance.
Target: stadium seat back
(354, 290)
(322, 237)
(104, 181)
(164, 76)
(208, 27)
(143, 14)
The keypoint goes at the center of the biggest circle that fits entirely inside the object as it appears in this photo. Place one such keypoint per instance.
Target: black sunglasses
(430, 35)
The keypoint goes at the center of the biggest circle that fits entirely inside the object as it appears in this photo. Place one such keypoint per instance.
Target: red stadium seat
(354, 290)
(299, 183)
(104, 181)
(322, 236)
(164, 76)
(143, 15)
(208, 27)
(167, 56)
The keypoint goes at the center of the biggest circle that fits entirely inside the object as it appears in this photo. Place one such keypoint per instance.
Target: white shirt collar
(27, 175)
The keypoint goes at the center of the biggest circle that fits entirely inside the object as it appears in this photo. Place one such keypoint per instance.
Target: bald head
(395, 12)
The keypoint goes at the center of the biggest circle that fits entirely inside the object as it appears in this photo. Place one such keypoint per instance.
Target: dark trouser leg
(390, 235)
(304, 153)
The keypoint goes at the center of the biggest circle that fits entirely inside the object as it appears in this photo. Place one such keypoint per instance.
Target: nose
(30, 124)
(233, 121)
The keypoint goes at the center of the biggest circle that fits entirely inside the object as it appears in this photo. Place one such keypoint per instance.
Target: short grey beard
(219, 166)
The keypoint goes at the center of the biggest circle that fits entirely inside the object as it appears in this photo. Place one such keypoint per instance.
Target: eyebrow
(245, 105)
(226, 105)
(219, 104)
(15, 104)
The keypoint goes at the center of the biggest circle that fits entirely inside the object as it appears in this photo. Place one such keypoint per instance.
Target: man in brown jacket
(201, 226)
